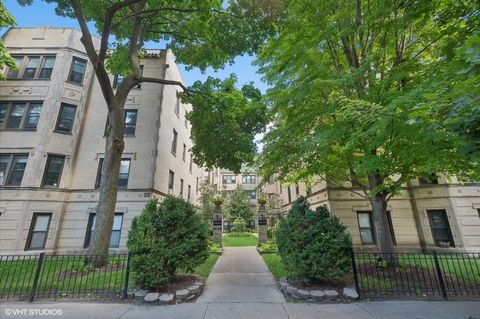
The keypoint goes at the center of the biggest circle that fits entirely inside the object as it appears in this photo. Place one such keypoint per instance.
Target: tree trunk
(382, 229)
(105, 210)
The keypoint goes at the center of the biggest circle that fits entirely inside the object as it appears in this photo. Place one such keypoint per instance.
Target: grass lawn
(275, 265)
(453, 265)
(67, 277)
(204, 269)
(249, 240)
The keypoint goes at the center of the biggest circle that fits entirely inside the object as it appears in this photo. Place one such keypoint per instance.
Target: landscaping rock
(182, 294)
(194, 289)
(199, 283)
(291, 290)
(131, 294)
(165, 299)
(350, 293)
(151, 297)
(331, 294)
(283, 279)
(283, 286)
(190, 298)
(303, 294)
(317, 295)
(140, 294)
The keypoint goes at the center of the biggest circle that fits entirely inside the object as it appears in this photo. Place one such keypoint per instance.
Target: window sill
(62, 132)
(28, 79)
(19, 129)
(49, 187)
(75, 83)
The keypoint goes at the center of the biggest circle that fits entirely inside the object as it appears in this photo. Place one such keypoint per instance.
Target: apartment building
(436, 214)
(52, 142)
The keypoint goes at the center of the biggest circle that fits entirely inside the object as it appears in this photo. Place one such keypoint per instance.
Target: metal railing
(424, 275)
(29, 277)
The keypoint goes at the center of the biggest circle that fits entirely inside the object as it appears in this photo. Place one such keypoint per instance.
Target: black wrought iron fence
(425, 275)
(30, 277)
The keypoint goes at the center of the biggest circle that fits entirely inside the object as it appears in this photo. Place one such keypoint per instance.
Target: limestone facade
(52, 142)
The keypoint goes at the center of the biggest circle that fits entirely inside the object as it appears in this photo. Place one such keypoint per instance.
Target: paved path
(240, 286)
(241, 276)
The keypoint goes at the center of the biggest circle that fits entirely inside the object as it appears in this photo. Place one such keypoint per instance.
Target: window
(13, 74)
(116, 230)
(35, 67)
(47, 67)
(184, 153)
(229, 179)
(12, 167)
(367, 234)
(174, 142)
(189, 191)
(297, 189)
(118, 80)
(177, 104)
(130, 123)
(252, 195)
(20, 115)
(441, 232)
(390, 226)
(77, 70)
(248, 179)
(53, 170)
(289, 194)
(181, 187)
(123, 174)
(66, 118)
(196, 190)
(171, 178)
(37, 236)
(191, 164)
(31, 68)
(130, 119)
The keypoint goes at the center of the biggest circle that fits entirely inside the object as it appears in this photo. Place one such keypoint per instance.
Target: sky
(41, 13)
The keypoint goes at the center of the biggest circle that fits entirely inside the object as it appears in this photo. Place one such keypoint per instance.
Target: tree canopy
(6, 60)
(348, 79)
(224, 123)
(238, 205)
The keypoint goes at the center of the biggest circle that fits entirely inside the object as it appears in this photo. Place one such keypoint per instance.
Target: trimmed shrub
(314, 246)
(239, 225)
(166, 238)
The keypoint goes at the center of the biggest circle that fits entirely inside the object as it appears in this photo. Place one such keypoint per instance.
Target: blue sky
(41, 13)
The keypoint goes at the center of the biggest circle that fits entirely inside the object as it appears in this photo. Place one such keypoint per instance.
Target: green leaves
(238, 205)
(224, 123)
(356, 91)
(5, 59)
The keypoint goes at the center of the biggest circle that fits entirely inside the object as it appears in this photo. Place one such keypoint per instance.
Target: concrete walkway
(240, 286)
(241, 275)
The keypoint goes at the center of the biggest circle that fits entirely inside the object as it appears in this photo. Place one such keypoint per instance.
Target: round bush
(239, 225)
(166, 238)
(313, 246)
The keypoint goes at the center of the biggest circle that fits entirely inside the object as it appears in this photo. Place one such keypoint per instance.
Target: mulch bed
(178, 282)
(72, 274)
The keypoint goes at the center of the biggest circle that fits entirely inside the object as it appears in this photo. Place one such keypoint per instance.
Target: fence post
(355, 275)
(37, 276)
(439, 275)
(127, 275)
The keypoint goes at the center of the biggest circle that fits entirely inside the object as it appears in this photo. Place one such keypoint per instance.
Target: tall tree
(202, 33)
(346, 77)
(224, 122)
(207, 207)
(6, 20)
(239, 205)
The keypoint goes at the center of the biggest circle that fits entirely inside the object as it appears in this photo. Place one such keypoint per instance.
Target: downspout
(416, 215)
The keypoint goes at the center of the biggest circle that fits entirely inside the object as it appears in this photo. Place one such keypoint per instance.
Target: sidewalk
(241, 286)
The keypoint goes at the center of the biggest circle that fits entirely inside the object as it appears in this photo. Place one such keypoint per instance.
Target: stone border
(316, 295)
(154, 298)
